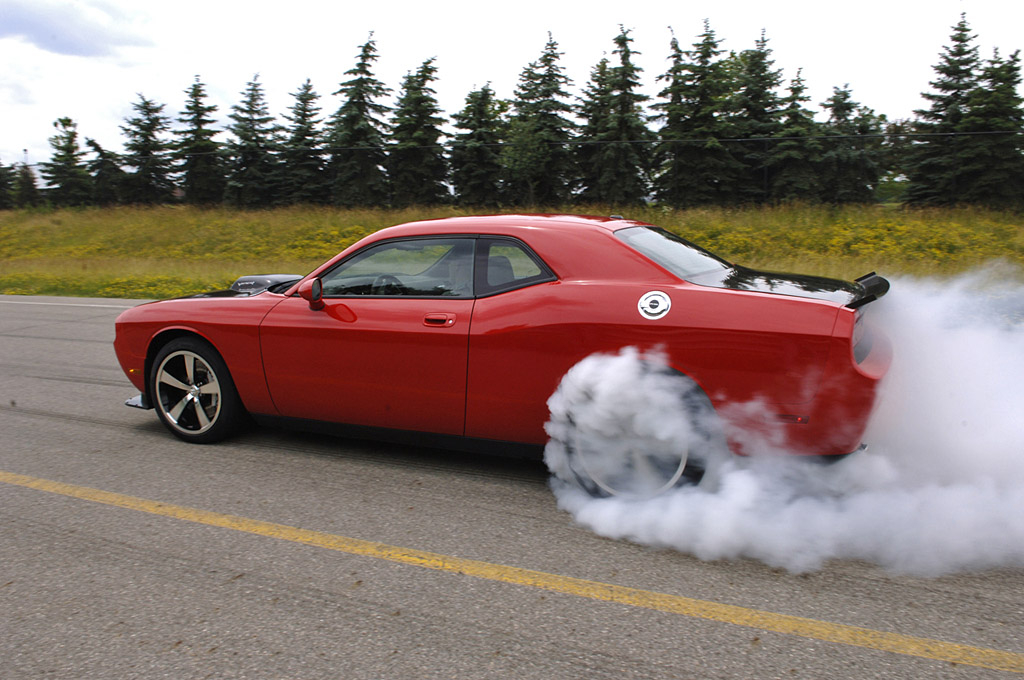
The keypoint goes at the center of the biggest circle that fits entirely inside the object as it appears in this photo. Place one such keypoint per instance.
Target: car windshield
(679, 256)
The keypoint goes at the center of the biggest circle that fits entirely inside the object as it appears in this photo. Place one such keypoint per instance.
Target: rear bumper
(831, 423)
(845, 401)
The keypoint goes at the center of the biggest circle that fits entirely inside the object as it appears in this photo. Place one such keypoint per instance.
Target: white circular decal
(654, 305)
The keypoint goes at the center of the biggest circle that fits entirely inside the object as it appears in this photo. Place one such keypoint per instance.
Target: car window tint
(413, 267)
(504, 264)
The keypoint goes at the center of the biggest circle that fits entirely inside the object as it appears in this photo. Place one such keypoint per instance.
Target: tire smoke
(940, 488)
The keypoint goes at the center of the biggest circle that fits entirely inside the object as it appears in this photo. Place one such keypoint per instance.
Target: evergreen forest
(723, 130)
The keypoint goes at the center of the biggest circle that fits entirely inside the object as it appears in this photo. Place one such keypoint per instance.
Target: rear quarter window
(507, 264)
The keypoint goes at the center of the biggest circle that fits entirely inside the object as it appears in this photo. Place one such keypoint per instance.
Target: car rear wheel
(636, 470)
(193, 393)
(606, 444)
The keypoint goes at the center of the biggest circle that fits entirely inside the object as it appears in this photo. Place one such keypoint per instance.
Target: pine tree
(595, 109)
(7, 179)
(199, 157)
(892, 186)
(537, 160)
(26, 190)
(416, 161)
(851, 163)
(796, 156)
(993, 171)
(65, 173)
(149, 154)
(356, 137)
(694, 168)
(252, 180)
(108, 178)
(936, 160)
(670, 155)
(303, 179)
(616, 159)
(475, 156)
(754, 111)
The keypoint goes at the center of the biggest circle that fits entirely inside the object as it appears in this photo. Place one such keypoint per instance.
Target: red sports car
(457, 331)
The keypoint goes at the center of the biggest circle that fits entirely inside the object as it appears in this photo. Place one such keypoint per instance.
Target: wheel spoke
(174, 413)
(647, 473)
(210, 388)
(204, 421)
(190, 368)
(168, 379)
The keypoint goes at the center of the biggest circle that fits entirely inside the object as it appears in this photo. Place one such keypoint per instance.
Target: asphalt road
(125, 553)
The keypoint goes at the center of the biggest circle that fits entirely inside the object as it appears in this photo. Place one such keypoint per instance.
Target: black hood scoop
(250, 285)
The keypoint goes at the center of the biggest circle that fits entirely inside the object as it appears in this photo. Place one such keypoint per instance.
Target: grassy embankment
(170, 251)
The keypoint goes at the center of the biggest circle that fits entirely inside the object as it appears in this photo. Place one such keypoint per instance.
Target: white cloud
(67, 28)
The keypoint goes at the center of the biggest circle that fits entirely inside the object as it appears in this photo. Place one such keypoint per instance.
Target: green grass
(175, 250)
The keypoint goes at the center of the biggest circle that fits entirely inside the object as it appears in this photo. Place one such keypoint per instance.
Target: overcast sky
(89, 59)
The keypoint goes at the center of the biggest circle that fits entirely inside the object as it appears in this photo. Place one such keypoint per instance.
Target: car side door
(522, 342)
(389, 346)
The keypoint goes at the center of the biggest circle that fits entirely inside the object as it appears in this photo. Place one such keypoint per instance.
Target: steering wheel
(385, 284)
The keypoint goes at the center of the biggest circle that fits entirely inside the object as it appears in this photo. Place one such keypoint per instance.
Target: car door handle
(439, 319)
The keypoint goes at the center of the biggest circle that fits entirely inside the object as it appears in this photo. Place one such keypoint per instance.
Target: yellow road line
(595, 590)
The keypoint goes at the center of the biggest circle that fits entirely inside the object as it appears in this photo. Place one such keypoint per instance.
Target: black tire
(193, 393)
(615, 456)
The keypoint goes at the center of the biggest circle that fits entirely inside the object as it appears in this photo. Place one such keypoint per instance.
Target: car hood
(798, 285)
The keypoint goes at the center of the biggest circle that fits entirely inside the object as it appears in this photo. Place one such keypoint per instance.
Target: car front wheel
(193, 393)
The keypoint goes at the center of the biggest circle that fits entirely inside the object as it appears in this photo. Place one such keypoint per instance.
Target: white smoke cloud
(940, 488)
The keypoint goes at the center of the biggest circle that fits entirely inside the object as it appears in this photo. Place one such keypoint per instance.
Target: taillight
(862, 340)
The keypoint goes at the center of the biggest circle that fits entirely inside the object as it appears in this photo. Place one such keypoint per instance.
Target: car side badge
(654, 305)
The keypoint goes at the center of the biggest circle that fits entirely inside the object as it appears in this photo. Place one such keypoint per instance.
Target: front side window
(419, 267)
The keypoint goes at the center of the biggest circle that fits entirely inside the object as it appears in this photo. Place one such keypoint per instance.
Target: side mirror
(312, 291)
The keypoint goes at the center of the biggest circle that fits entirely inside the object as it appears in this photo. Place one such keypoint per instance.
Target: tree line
(724, 129)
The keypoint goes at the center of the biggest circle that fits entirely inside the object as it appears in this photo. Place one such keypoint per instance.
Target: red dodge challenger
(457, 331)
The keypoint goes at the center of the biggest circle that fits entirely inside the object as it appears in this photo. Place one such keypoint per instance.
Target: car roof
(500, 223)
(573, 246)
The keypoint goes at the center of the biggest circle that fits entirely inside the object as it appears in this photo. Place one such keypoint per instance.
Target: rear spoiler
(874, 287)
